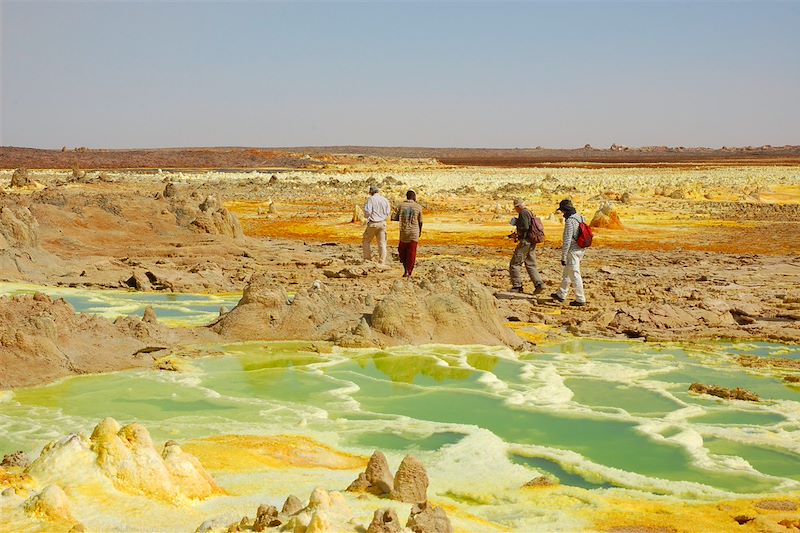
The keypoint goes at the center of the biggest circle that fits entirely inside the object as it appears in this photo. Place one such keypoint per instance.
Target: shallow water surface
(594, 413)
(600, 416)
(173, 309)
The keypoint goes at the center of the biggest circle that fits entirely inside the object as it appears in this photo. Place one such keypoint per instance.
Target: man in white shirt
(377, 211)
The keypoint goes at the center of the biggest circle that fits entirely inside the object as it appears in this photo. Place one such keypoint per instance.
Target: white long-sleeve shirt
(377, 208)
(570, 237)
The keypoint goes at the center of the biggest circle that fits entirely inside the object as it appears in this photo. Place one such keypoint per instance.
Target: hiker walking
(377, 211)
(571, 254)
(528, 233)
(409, 213)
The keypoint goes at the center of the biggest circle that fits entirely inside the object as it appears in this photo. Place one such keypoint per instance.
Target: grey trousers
(524, 253)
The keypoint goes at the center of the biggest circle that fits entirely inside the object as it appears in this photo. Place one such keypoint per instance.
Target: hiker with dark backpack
(529, 232)
(577, 237)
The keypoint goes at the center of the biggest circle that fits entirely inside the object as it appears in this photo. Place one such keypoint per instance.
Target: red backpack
(536, 231)
(585, 235)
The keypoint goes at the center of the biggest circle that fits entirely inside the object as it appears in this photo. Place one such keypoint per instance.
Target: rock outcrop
(50, 504)
(542, 482)
(410, 481)
(325, 512)
(637, 320)
(266, 312)
(384, 521)
(752, 361)
(427, 518)
(444, 309)
(358, 215)
(376, 479)
(169, 190)
(61, 342)
(149, 315)
(20, 178)
(409, 484)
(266, 516)
(214, 218)
(292, 505)
(20, 238)
(450, 310)
(18, 459)
(18, 228)
(606, 217)
(725, 393)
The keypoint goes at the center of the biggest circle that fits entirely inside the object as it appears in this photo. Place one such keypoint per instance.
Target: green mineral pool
(599, 415)
(172, 309)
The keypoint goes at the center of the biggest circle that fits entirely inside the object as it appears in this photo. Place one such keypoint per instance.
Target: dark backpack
(585, 235)
(536, 231)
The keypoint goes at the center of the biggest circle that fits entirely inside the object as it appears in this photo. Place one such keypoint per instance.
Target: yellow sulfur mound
(127, 458)
(240, 453)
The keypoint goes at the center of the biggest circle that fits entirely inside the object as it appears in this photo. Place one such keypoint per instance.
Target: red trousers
(408, 255)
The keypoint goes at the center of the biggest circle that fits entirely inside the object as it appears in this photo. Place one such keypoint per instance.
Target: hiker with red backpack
(577, 237)
(529, 232)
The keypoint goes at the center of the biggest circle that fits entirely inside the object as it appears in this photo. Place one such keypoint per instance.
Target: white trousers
(375, 230)
(572, 275)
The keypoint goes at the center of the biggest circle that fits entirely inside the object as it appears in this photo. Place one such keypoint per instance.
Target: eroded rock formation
(20, 178)
(410, 481)
(63, 342)
(212, 217)
(51, 504)
(442, 309)
(384, 521)
(439, 309)
(725, 393)
(606, 217)
(427, 518)
(326, 512)
(376, 479)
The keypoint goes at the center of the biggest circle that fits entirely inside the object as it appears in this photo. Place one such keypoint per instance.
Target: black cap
(566, 202)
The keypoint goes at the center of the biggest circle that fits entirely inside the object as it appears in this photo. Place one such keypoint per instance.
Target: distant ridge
(315, 157)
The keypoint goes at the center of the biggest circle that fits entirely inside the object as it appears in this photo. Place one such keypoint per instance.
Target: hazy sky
(155, 74)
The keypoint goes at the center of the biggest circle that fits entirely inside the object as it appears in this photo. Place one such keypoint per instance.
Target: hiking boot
(557, 298)
(516, 289)
(576, 303)
(539, 289)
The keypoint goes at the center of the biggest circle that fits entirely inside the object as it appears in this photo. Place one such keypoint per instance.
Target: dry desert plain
(688, 248)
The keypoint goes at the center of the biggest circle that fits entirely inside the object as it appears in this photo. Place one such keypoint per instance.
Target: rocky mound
(606, 217)
(670, 321)
(725, 393)
(410, 485)
(20, 251)
(209, 216)
(325, 511)
(20, 178)
(753, 361)
(94, 236)
(42, 339)
(440, 309)
(18, 228)
(329, 511)
(266, 312)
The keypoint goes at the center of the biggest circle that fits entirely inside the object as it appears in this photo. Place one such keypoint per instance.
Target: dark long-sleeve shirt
(524, 221)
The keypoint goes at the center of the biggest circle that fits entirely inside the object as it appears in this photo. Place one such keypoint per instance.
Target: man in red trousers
(409, 213)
